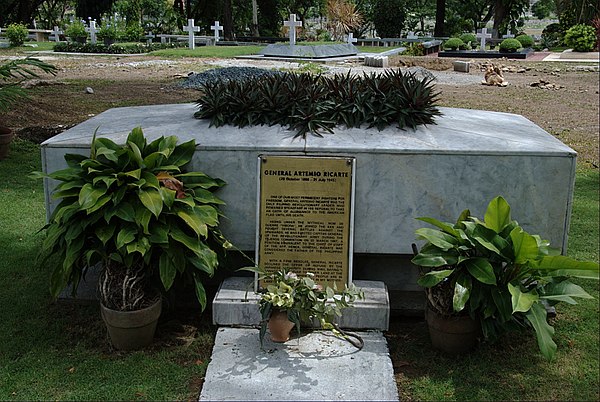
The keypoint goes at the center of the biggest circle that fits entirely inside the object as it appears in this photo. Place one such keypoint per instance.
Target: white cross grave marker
(57, 32)
(508, 35)
(292, 24)
(483, 35)
(149, 37)
(92, 29)
(190, 29)
(411, 35)
(216, 28)
(351, 39)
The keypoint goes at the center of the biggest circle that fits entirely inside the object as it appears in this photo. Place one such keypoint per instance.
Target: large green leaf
(481, 269)
(497, 214)
(431, 261)
(152, 200)
(559, 265)
(522, 301)
(159, 234)
(432, 278)
(167, 145)
(537, 317)
(126, 235)
(200, 291)
(167, 270)
(88, 196)
(194, 221)
(141, 246)
(109, 154)
(136, 154)
(105, 232)
(525, 246)
(182, 154)
(168, 196)
(151, 179)
(125, 211)
(462, 291)
(103, 200)
(142, 217)
(446, 227)
(206, 197)
(564, 291)
(501, 306)
(439, 239)
(208, 214)
(136, 136)
(487, 238)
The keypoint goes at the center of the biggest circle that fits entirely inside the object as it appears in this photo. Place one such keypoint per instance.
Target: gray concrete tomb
(463, 161)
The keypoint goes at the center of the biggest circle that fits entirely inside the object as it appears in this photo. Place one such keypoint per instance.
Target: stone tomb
(463, 161)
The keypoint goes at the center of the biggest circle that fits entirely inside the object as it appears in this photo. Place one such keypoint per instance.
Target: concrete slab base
(236, 304)
(316, 366)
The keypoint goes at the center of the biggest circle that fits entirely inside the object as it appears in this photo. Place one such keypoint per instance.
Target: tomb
(463, 161)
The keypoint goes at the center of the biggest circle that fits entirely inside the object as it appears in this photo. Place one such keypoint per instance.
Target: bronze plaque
(306, 216)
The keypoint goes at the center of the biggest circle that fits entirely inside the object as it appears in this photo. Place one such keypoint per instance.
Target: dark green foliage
(525, 40)
(314, 103)
(469, 40)
(510, 45)
(543, 8)
(388, 18)
(16, 34)
(582, 38)
(552, 35)
(453, 43)
(114, 48)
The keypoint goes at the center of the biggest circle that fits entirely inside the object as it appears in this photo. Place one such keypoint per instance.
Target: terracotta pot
(452, 335)
(6, 136)
(280, 326)
(130, 330)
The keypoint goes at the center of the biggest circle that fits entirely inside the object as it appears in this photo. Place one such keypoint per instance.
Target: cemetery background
(147, 80)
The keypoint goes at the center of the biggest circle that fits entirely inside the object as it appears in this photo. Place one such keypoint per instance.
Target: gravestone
(351, 40)
(292, 24)
(411, 35)
(190, 29)
(56, 34)
(508, 35)
(463, 161)
(216, 28)
(92, 29)
(483, 35)
(149, 37)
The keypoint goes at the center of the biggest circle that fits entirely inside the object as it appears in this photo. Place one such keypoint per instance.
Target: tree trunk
(440, 16)
(227, 20)
(500, 13)
(255, 18)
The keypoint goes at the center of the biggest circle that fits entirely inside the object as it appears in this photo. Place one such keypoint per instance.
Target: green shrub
(134, 32)
(453, 43)
(510, 45)
(76, 30)
(108, 31)
(16, 34)
(115, 48)
(582, 38)
(414, 49)
(388, 18)
(469, 39)
(309, 103)
(525, 40)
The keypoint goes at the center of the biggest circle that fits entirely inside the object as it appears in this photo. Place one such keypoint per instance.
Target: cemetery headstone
(92, 29)
(351, 39)
(411, 35)
(56, 34)
(508, 35)
(190, 29)
(483, 35)
(216, 28)
(149, 37)
(306, 216)
(292, 24)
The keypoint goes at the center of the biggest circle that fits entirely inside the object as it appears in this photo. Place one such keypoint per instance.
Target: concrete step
(316, 366)
(236, 304)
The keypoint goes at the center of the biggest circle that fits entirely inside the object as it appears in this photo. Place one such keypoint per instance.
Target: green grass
(58, 351)
(38, 46)
(209, 51)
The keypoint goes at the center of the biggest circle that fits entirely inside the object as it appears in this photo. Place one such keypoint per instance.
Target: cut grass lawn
(58, 351)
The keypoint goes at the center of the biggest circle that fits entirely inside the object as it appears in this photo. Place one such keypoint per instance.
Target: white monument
(483, 35)
(190, 29)
(216, 28)
(56, 34)
(149, 37)
(508, 35)
(92, 29)
(292, 24)
(351, 39)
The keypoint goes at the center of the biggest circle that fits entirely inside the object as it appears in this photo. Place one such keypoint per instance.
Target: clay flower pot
(131, 330)
(6, 136)
(453, 335)
(280, 326)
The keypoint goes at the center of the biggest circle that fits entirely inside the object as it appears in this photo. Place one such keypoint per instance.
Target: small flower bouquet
(302, 299)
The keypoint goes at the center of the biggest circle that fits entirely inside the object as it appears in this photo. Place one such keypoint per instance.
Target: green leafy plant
(302, 298)
(510, 45)
(16, 34)
(469, 40)
(115, 48)
(525, 40)
(389, 17)
(453, 43)
(313, 103)
(76, 30)
(133, 209)
(13, 72)
(497, 273)
(582, 38)
(414, 49)
(108, 31)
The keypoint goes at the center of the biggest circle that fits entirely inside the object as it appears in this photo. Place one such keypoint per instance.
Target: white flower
(310, 274)
(290, 275)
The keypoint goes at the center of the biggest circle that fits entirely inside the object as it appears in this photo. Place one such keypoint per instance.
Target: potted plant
(12, 72)
(76, 31)
(108, 33)
(134, 211)
(289, 300)
(497, 274)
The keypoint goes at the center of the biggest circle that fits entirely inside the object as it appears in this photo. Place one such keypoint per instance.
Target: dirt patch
(570, 112)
